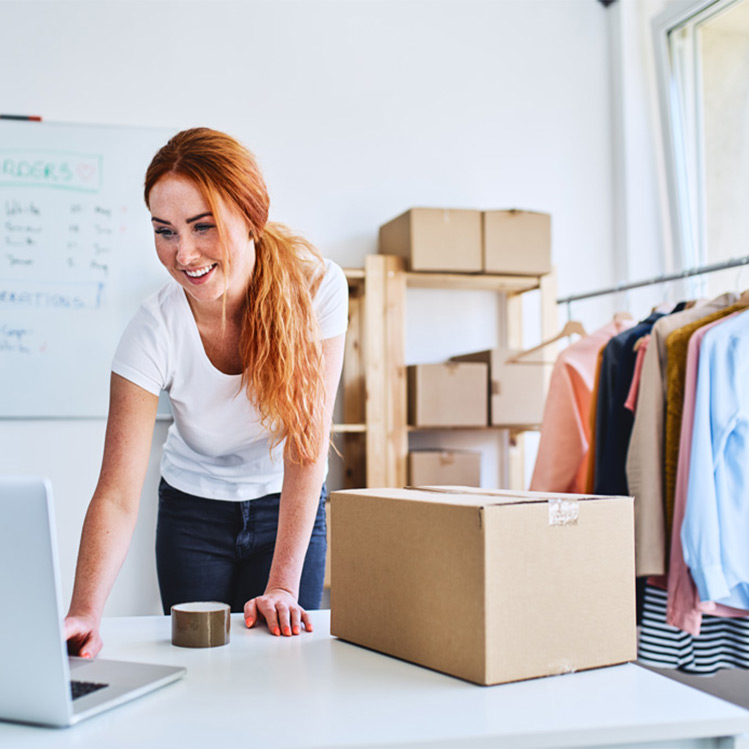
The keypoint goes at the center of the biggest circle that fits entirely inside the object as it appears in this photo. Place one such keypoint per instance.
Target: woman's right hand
(82, 634)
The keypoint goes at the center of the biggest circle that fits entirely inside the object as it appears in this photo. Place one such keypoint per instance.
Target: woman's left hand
(279, 608)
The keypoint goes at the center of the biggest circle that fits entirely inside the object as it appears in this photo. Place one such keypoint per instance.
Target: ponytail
(280, 344)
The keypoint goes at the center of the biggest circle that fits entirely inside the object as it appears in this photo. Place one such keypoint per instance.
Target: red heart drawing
(85, 171)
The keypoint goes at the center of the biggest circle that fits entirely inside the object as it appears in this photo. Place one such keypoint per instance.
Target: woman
(249, 344)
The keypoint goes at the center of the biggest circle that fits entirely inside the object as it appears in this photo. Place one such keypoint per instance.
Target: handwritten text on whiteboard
(68, 171)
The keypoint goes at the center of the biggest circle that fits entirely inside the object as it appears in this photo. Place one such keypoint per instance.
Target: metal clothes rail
(736, 262)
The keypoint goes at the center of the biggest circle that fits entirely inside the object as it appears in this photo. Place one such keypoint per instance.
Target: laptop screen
(34, 680)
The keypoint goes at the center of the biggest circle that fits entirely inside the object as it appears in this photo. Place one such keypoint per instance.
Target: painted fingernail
(286, 631)
(249, 621)
(276, 631)
(85, 655)
(296, 630)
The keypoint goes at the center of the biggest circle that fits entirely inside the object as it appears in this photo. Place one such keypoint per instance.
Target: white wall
(357, 110)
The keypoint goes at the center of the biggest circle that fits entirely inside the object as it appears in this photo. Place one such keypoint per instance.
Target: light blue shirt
(715, 531)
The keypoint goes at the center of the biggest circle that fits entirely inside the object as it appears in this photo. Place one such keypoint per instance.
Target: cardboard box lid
(516, 211)
(472, 496)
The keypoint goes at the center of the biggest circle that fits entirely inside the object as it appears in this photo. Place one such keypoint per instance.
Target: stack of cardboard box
(450, 394)
(454, 240)
(481, 389)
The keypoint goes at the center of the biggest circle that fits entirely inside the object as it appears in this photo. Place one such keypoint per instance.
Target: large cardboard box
(435, 239)
(517, 389)
(448, 394)
(517, 242)
(488, 586)
(449, 467)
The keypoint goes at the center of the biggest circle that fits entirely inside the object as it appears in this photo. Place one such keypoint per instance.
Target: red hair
(280, 346)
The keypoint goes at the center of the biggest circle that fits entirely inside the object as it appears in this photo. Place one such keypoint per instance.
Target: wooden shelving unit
(373, 437)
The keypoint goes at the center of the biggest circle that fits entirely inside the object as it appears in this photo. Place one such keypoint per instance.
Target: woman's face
(187, 242)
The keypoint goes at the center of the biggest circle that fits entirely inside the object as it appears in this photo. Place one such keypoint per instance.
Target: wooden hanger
(640, 341)
(622, 316)
(744, 298)
(571, 327)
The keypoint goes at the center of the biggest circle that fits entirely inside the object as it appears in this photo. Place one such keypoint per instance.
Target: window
(702, 53)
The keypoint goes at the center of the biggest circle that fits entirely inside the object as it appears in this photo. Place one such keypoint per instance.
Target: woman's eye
(203, 228)
(166, 233)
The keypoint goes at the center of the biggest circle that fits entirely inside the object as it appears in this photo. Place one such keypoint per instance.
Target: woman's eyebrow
(189, 220)
(202, 215)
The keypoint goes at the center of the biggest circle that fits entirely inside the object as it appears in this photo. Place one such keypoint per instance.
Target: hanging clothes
(709, 563)
(676, 361)
(716, 520)
(641, 347)
(613, 420)
(684, 608)
(590, 477)
(644, 461)
(562, 457)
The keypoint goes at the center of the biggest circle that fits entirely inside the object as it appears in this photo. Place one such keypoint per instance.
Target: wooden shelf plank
(488, 427)
(349, 428)
(477, 282)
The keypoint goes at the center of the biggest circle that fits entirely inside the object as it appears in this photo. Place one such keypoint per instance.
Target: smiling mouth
(199, 272)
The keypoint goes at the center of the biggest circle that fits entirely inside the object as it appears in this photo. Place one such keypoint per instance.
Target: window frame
(682, 124)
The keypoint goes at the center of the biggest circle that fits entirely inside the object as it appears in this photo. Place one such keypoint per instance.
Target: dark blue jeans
(214, 550)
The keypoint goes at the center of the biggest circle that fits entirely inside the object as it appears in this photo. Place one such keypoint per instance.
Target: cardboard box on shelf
(448, 467)
(435, 239)
(488, 586)
(517, 242)
(517, 390)
(448, 394)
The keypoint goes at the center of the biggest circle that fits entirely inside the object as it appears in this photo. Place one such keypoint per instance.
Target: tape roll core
(201, 624)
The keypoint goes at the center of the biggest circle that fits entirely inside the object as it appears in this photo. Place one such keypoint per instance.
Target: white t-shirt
(216, 447)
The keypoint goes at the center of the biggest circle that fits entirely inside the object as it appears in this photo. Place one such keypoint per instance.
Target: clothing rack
(736, 262)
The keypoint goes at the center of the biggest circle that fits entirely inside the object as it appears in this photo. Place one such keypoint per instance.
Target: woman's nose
(187, 252)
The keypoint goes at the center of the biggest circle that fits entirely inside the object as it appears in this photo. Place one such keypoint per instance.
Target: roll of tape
(203, 624)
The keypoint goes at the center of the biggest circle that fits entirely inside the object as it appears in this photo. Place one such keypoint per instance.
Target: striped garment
(722, 642)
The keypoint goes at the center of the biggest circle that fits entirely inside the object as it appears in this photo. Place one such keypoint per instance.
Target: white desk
(314, 690)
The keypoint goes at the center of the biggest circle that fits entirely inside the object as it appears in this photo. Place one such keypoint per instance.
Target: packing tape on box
(563, 511)
(563, 666)
(202, 624)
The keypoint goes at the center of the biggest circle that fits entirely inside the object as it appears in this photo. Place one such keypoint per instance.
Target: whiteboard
(76, 259)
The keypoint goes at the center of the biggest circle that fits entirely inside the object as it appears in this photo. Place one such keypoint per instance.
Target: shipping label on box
(517, 242)
(435, 239)
(448, 394)
(489, 586)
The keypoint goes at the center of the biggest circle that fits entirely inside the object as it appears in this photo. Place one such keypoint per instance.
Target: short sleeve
(141, 355)
(331, 302)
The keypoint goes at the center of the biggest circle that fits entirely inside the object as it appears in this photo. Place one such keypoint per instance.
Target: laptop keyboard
(82, 688)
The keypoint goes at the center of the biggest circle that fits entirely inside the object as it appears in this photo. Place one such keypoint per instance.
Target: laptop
(37, 677)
